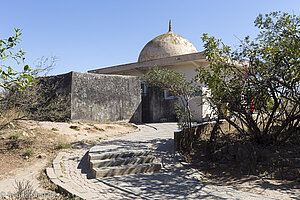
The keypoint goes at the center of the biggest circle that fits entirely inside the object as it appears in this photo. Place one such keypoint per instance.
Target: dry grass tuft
(62, 142)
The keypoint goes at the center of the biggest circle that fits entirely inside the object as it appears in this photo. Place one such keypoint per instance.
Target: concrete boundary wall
(99, 97)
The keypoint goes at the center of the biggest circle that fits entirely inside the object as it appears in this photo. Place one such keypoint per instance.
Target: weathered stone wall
(98, 97)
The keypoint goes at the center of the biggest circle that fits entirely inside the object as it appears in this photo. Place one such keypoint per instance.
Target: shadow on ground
(277, 168)
(173, 181)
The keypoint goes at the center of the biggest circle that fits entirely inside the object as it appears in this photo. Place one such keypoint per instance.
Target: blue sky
(90, 34)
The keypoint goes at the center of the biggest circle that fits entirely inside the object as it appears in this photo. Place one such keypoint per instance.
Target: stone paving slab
(174, 181)
(121, 161)
(125, 170)
(116, 155)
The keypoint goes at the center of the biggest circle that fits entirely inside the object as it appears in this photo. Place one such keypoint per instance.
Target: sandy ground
(30, 173)
(78, 131)
(15, 167)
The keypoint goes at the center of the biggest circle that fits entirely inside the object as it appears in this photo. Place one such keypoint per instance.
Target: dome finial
(170, 26)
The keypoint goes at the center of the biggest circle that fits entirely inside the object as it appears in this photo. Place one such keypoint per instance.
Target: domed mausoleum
(171, 51)
(166, 45)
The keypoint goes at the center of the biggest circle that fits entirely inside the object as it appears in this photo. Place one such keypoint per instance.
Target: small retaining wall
(201, 131)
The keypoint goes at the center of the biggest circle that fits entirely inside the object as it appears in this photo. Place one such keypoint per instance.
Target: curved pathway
(71, 172)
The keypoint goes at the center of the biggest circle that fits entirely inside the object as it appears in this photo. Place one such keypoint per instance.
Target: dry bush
(44, 99)
(24, 189)
(39, 101)
(7, 116)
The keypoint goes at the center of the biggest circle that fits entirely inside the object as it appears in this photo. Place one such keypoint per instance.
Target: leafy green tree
(258, 84)
(177, 85)
(9, 77)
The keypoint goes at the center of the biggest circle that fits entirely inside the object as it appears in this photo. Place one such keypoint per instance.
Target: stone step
(125, 154)
(125, 170)
(121, 161)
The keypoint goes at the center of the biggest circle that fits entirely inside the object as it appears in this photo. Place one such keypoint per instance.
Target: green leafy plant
(14, 136)
(258, 84)
(9, 77)
(63, 145)
(28, 153)
(177, 85)
(184, 90)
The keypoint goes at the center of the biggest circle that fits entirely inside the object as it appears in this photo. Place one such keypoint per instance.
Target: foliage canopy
(177, 85)
(9, 77)
(262, 76)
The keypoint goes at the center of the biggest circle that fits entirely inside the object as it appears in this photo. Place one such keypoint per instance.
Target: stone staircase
(119, 163)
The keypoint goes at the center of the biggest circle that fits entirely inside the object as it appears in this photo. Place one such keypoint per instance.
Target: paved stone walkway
(174, 181)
